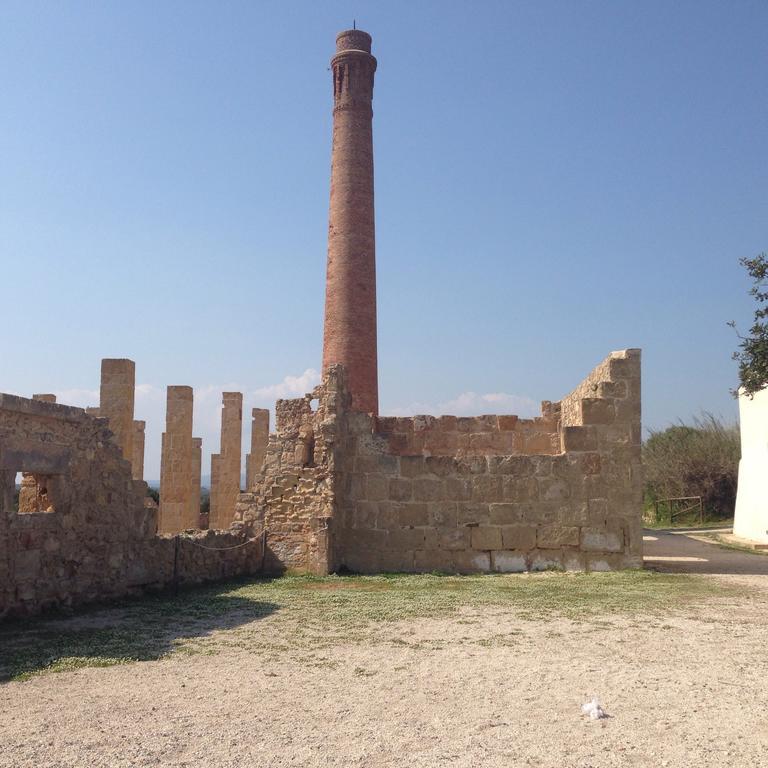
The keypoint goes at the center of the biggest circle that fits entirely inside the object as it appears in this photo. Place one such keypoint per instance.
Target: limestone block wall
(472, 435)
(99, 539)
(577, 508)
(376, 495)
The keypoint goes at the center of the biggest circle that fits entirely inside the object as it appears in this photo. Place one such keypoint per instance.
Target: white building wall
(751, 519)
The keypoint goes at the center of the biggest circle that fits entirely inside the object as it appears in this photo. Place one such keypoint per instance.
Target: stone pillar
(176, 463)
(349, 335)
(225, 466)
(118, 383)
(137, 464)
(259, 440)
(197, 468)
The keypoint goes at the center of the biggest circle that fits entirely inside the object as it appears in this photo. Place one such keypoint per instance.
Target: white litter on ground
(594, 710)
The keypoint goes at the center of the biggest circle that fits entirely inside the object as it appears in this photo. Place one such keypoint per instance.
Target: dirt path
(483, 687)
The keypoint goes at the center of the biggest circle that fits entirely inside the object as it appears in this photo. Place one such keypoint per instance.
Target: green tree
(699, 459)
(752, 356)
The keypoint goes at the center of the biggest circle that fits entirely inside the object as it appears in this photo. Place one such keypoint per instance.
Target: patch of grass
(690, 524)
(302, 614)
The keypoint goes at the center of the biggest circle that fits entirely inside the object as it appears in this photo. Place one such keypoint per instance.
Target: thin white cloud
(290, 386)
(82, 398)
(472, 404)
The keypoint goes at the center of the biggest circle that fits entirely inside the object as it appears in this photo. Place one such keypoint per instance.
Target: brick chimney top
(353, 40)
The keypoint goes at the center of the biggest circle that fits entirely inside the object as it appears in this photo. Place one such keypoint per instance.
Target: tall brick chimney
(350, 289)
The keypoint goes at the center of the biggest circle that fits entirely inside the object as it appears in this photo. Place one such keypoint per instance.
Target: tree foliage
(701, 459)
(752, 356)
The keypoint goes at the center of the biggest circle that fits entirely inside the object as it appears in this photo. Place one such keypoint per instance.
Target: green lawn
(295, 613)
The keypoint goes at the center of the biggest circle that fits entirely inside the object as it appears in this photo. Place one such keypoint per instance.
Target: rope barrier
(176, 541)
(226, 549)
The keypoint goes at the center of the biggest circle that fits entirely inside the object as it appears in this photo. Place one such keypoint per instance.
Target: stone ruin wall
(97, 540)
(293, 497)
(488, 493)
(471, 435)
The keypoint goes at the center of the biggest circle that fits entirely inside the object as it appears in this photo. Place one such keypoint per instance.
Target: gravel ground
(480, 687)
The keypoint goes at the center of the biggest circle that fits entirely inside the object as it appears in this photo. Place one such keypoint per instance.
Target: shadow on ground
(141, 629)
(674, 551)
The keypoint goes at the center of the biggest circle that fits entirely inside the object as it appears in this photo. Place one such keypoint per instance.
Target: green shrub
(701, 459)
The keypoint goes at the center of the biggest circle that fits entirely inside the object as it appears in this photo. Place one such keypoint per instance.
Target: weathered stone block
(576, 438)
(458, 488)
(601, 540)
(473, 514)
(453, 538)
(507, 422)
(574, 561)
(595, 410)
(472, 562)
(442, 513)
(598, 511)
(413, 514)
(591, 463)
(471, 465)
(506, 513)
(365, 514)
(400, 489)
(509, 562)
(519, 537)
(405, 539)
(442, 466)
(27, 564)
(377, 487)
(545, 561)
(428, 489)
(520, 466)
(486, 537)
(412, 466)
(553, 489)
(434, 560)
(486, 488)
(612, 389)
(519, 489)
(557, 536)
(388, 516)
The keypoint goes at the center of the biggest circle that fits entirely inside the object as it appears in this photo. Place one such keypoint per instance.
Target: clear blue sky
(554, 180)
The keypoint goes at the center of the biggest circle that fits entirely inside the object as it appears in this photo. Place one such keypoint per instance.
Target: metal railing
(679, 506)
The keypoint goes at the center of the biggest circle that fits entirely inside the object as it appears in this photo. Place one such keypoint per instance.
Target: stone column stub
(176, 468)
(116, 401)
(259, 439)
(226, 465)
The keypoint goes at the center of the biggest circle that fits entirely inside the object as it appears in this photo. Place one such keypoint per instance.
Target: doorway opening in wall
(35, 492)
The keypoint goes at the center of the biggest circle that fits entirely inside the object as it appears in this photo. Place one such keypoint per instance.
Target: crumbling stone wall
(293, 498)
(459, 495)
(100, 540)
